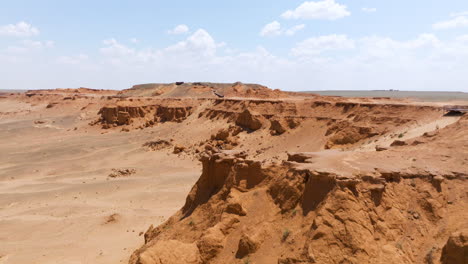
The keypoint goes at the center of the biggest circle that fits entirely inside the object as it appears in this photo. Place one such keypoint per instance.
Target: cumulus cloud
(271, 29)
(20, 29)
(369, 9)
(200, 42)
(459, 21)
(274, 29)
(134, 40)
(318, 45)
(198, 46)
(293, 30)
(326, 10)
(179, 29)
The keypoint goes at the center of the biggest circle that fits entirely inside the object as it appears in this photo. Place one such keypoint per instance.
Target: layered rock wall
(291, 212)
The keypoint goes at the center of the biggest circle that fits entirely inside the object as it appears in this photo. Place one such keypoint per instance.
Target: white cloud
(200, 43)
(75, 59)
(198, 46)
(274, 29)
(373, 62)
(369, 9)
(456, 22)
(180, 29)
(271, 29)
(318, 45)
(384, 47)
(29, 45)
(114, 48)
(134, 40)
(326, 9)
(20, 29)
(293, 30)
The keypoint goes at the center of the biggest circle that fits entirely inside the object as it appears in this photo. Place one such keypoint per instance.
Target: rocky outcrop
(243, 208)
(178, 149)
(455, 250)
(345, 133)
(249, 120)
(301, 157)
(157, 145)
(121, 173)
(120, 115)
(280, 125)
(398, 143)
(148, 115)
(170, 252)
(172, 114)
(246, 246)
(226, 139)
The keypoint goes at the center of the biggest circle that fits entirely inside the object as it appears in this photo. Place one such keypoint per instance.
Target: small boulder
(455, 250)
(235, 208)
(178, 149)
(121, 173)
(248, 120)
(277, 127)
(431, 134)
(398, 143)
(246, 246)
(157, 145)
(380, 148)
(222, 134)
(301, 157)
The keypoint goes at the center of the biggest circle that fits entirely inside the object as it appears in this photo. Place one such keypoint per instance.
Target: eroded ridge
(286, 177)
(293, 212)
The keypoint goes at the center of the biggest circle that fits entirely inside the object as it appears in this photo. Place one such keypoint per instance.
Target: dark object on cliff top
(219, 95)
(179, 83)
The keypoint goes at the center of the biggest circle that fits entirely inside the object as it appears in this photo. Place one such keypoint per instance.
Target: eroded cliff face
(338, 124)
(325, 207)
(148, 115)
(291, 212)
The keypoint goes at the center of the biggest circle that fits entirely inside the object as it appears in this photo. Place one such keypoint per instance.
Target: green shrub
(286, 234)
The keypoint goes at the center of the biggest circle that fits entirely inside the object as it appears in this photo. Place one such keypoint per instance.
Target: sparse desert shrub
(286, 234)
(294, 212)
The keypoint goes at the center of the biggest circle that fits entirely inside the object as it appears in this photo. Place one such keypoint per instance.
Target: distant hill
(206, 90)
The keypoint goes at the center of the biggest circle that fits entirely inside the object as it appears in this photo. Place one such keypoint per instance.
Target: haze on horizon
(291, 45)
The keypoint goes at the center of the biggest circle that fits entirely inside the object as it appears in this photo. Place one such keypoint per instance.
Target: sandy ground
(409, 132)
(57, 203)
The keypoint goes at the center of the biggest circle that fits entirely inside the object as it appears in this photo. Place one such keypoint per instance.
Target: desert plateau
(202, 172)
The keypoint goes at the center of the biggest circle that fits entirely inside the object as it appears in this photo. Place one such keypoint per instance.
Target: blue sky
(292, 45)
